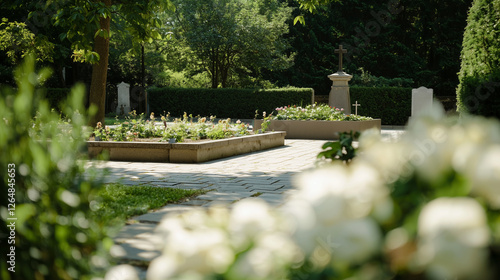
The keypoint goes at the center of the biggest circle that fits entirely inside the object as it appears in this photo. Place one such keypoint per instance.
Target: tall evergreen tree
(479, 89)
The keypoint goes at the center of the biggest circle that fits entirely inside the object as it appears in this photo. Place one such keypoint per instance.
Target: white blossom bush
(425, 206)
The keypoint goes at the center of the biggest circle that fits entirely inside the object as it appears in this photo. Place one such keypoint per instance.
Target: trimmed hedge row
(391, 104)
(56, 95)
(224, 103)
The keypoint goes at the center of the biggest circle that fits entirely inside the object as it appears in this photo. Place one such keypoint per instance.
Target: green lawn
(116, 203)
(112, 121)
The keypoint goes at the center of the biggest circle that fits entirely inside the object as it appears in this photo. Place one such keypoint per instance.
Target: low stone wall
(321, 130)
(185, 152)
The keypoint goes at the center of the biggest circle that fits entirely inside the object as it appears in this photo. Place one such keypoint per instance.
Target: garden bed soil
(186, 152)
(320, 130)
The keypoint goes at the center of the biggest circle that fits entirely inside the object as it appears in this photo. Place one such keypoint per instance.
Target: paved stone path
(269, 173)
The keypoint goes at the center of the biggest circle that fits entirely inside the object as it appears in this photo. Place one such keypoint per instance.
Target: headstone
(339, 94)
(356, 105)
(123, 98)
(421, 100)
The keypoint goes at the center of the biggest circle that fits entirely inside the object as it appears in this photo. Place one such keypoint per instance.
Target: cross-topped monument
(339, 94)
(340, 51)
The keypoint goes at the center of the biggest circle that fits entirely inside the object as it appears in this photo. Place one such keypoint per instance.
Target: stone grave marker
(356, 105)
(339, 94)
(421, 100)
(123, 99)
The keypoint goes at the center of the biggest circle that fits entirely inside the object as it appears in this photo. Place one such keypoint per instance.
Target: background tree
(88, 27)
(18, 41)
(412, 40)
(479, 89)
(231, 37)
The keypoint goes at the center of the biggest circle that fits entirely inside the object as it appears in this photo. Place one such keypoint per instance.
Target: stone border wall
(185, 152)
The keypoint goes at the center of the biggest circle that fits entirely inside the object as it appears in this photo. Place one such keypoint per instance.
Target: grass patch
(116, 202)
(112, 121)
(256, 194)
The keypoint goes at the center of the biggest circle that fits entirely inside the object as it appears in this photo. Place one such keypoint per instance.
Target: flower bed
(133, 141)
(314, 122)
(193, 152)
(181, 129)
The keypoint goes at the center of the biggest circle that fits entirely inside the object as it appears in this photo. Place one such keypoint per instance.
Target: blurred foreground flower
(431, 197)
(246, 243)
(453, 239)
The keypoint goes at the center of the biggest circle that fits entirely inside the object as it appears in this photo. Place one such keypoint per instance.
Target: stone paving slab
(237, 178)
(157, 216)
(272, 198)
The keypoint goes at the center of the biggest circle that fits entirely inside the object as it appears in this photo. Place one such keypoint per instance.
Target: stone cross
(356, 105)
(340, 51)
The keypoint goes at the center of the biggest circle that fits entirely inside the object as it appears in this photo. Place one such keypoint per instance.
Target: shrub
(479, 89)
(316, 112)
(224, 103)
(56, 95)
(391, 104)
(54, 237)
(368, 80)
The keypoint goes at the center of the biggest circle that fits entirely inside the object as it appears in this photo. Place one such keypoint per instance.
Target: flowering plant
(425, 206)
(315, 112)
(180, 129)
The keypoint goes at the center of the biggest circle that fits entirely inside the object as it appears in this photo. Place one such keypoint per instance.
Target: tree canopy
(231, 36)
(87, 25)
(236, 43)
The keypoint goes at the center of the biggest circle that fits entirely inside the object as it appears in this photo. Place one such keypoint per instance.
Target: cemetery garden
(172, 139)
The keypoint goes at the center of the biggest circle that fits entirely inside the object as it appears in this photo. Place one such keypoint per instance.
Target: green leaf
(63, 36)
(299, 19)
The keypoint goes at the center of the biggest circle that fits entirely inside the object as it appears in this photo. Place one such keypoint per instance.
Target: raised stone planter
(186, 152)
(321, 130)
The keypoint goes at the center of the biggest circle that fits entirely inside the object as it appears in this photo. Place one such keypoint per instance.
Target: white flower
(195, 242)
(330, 209)
(269, 258)
(163, 267)
(438, 145)
(248, 219)
(453, 236)
(485, 176)
(430, 147)
(389, 159)
(354, 241)
(338, 192)
(302, 221)
(122, 272)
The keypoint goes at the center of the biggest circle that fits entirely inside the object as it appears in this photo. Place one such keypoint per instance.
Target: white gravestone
(123, 98)
(421, 100)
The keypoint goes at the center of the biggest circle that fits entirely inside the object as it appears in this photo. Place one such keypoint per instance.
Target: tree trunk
(143, 80)
(100, 71)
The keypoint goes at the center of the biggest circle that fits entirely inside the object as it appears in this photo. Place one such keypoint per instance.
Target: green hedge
(56, 95)
(224, 103)
(391, 104)
(480, 96)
